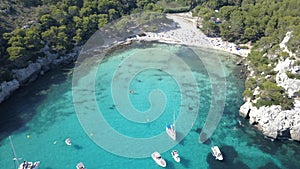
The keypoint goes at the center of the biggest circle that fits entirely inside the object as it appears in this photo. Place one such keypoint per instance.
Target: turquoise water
(41, 116)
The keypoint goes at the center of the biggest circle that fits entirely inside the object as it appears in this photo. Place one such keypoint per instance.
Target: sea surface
(39, 117)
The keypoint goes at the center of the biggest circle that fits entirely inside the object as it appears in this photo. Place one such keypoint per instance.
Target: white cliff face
(283, 46)
(245, 109)
(272, 121)
(292, 86)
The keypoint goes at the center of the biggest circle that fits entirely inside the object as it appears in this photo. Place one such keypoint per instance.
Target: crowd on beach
(185, 32)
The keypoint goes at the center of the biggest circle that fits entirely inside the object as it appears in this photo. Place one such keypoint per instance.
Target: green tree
(32, 40)
(73, 11)
(46, 21)
(113, 14)
(103, 20)
(15, 52)
(211, 29)
(142, 3)
(226, 11)
(251, 34)
(59, 15)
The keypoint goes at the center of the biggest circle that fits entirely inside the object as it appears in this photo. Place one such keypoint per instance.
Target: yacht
(29, 165)
(80, 165)
(216, 153)
(158, 159)
(68, 141)
(175, 156)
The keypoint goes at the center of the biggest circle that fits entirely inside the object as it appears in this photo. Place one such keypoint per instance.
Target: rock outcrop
(245, 109)
(33, 70)
(7, 88)
(27, 74)
(292, 86)
(272, 121)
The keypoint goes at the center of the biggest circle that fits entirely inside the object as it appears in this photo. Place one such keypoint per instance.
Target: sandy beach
(186, 33)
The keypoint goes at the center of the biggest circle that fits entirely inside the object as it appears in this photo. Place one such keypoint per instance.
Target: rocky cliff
(33, 70)
(273, 121)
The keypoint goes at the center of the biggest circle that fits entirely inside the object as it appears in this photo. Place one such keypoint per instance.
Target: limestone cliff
(272, 120)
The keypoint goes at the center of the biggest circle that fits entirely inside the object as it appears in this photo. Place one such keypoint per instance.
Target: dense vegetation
(264, 23)
(29, 27)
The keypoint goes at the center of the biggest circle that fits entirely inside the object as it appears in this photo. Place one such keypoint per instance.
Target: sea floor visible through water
(39, 118)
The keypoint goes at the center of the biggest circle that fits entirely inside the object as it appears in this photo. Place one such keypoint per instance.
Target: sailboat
(170, 129)
(29, 165)
(24, 164)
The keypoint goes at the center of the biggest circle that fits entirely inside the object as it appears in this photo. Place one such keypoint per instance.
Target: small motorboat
(29, 165)
(216, 153)
(80, 166)
(68, 141)
(175, 156)
(158, 159)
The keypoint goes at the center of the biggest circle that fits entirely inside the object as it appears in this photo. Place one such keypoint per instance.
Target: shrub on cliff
(293, 76)
(272, 94)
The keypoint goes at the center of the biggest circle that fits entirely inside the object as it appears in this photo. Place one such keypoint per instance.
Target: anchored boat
(29, 165)
(170, 129)
(80, 165)
(175, 156)
(158, 159)
(216, 153)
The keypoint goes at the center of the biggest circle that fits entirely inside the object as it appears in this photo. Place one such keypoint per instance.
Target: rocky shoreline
(272, 121)
(184, 33)
(29, 74)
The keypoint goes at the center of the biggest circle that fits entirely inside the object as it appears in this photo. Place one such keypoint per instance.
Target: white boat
(29, 165)
(175, 156)
(158, 159)
(170, 129)
(68, 141)
(216, 153)
(80, 166)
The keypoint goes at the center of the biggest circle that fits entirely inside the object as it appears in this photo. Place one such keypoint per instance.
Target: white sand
(186, 33)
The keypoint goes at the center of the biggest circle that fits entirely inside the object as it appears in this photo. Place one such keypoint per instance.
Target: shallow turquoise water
(43, 114)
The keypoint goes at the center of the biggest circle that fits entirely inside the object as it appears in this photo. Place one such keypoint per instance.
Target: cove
(41, 116)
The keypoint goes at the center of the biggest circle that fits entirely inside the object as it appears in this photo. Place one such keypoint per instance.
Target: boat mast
(174, 119)
(14, 151)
